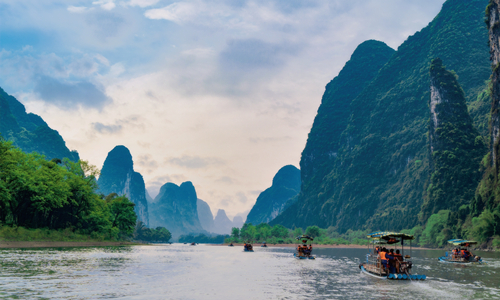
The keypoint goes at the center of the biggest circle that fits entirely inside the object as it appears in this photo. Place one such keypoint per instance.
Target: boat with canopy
(460, 253)
(304, 251)
(391, 264)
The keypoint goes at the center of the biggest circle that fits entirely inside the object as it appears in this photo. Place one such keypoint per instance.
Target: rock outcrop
(205, 215)
(222, 224)
(118, 176)
(272, 201)
(455, 146)
(175, 208)
(29, 132)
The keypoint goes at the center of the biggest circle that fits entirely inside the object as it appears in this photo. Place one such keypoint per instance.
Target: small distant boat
(264, 244)
(398, 268)
(193, 244)
(461, 253)
(230, 245)
(247, 247)
(304, 252)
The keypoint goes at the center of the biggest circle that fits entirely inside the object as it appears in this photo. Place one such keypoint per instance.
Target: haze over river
(218, 272)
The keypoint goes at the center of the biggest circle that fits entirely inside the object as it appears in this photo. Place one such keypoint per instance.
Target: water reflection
(216, 272)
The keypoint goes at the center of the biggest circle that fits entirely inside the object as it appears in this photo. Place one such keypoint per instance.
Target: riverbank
(350, 246)
(54, 244)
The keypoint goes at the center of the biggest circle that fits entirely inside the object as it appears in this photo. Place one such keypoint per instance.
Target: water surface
(181, 271)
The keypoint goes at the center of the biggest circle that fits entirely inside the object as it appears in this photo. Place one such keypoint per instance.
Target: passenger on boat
(398, 258)
(377, 249)
(299, 250)
(466, 255)
(305, 250)
(383, 257)
(392, 261)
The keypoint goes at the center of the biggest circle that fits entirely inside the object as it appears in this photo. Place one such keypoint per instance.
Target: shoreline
(61, 244)
(349, 246)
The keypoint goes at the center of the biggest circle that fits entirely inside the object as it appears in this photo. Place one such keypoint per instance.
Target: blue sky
(221, 93)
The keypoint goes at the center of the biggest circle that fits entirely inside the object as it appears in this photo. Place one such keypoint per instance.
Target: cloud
(106, 25)
(194, 162)
(178, 12)
(252, 54)
(132, 121)
(147, 162)
(105, 4)
(79, 9)
(267, 140)
(225, 179)
(70, 95)
(256, 192)
(242, 197)
(107, 129)
(142, 3)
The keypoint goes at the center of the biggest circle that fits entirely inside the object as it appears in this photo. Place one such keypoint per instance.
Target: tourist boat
(247, 247)
(301, 254)
(401, 269)
(264, 244)
(456, 255)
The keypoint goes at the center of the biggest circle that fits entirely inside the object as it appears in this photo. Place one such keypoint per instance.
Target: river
(181, 271)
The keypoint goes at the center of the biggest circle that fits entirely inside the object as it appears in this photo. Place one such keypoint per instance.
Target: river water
(181, 271)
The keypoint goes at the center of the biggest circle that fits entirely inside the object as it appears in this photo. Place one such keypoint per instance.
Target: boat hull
(445, 259)
(244, 250)
(303, 257)
(391, 276)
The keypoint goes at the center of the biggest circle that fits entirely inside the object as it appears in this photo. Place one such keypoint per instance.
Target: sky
(222, 93)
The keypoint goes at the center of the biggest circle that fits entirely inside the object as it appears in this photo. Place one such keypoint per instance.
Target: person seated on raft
(306, 250)
(455, 254)
(299, 250)
(398, 259)
(392, 261)
(383, 258)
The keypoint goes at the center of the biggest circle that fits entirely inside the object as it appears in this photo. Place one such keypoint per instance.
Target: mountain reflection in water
(217, 272)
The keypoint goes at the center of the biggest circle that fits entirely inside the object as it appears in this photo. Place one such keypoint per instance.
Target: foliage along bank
(58, 195)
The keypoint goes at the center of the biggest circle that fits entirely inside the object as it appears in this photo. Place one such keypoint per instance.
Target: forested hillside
(378, 177)
(29, 131)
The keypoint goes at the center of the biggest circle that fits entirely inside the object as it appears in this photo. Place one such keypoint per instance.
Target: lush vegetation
(279, 234)
(378, 175)
(58, 195)
(456, 147)
(154, 235)
(203, 239)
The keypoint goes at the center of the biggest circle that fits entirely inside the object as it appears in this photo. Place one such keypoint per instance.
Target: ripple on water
(211, 272)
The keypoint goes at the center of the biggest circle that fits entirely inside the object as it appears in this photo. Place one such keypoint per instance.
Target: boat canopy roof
(388, 235)
(461, 242)
(304, 237)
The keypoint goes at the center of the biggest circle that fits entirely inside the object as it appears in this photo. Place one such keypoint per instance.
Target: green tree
(279, 231)
(313, 231)
(235, 233)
